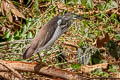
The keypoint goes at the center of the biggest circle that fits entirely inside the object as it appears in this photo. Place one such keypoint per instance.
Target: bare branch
(41, 69)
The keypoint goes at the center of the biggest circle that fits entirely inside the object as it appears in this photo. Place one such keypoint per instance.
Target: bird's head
(66, 20)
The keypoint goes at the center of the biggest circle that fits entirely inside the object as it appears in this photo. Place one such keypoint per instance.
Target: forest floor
(84, 49)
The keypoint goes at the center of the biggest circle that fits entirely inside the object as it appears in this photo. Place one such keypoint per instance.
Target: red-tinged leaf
(58, 79)
(100, 40)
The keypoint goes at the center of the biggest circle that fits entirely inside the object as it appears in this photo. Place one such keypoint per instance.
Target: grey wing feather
(42, 38)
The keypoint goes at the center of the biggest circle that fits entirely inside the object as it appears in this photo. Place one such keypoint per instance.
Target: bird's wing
(42, 38)
(45, 34)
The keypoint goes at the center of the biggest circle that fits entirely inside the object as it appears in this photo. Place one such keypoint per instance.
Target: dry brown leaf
(3, 29)
(100, 40)
(71, 44)
(61, 6)
(14, 10)
(5, 7)
(88, 69)
(68, 33)
(8, 7)
(44, 5)
(118, 42)
(71, 57)
(101, 28)
(8, 76)
(21, 1)
(2, 6)
(116, 74)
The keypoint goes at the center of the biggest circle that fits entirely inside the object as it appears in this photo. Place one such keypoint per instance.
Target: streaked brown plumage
(49, 33)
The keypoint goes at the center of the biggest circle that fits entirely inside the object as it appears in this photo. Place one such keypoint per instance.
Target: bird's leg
(39, 57)
(40, 62)
(46, 62)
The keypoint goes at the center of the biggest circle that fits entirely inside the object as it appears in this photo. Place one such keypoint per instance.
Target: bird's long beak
(79, 17)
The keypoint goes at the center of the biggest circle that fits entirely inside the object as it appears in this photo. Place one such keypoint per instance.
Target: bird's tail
(28, 53)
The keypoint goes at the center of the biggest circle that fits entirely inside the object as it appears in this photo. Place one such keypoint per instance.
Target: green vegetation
(97, 39)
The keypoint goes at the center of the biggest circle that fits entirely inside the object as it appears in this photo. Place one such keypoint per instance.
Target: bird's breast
(55, 36)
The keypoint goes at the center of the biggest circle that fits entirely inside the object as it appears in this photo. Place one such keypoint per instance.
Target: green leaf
(16, 34)
(23, 30)
(104, 20)
(28, 2)
(83, 2)
(100, 72)
(117, 36)
(114, 4)
(36, 6)
(76, 66)
(81, 44)
(29, 35)
(11, 38)
(13, 45)
(29, 21)
(7, 34)
(75, 1)
(111, 4)
(90, 4)
(113, 68)
(114, 15)
(96, 58)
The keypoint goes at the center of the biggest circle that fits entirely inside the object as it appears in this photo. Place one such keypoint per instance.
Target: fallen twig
(88, 69)
(41, 69)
